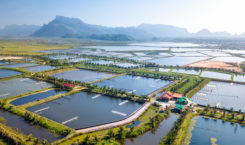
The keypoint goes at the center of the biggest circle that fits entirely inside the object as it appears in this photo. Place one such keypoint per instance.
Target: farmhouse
(170, 96)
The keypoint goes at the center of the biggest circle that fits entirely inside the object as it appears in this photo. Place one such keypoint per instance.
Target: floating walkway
(119, 113)
(96, 96)
(46, 108)
(4, 95)
(131, 118)
(124, 102)
(70, 120)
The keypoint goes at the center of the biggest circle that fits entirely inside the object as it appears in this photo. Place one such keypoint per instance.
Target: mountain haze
(66, 27)
(19, 30)
(63, 26)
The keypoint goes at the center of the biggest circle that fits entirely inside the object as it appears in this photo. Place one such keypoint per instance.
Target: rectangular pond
(177, 61)
(229, 59)
(215, 53)
(8, 73)
(4, 62)
(167, 44)
(127, 65)
(82, 110)
(154, 136)
(20, 65)
(14, 87)
(19, 123)
(189, 54)
(126, 48)
(40, 68)
(36, 97)
(78, 59)
(138, 85)
(185, 71)
(101, 62)
(239, 78)
(216, 75)
(225, 133)
(163, 69)
(221, 94)
(140, 58)
(83, 75)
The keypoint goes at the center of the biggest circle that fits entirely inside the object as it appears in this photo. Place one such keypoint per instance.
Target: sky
(215, 15)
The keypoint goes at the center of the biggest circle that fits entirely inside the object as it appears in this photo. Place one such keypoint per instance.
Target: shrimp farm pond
(83, 110)
(221, 94)
(83, 75)
(211, 131)
(8, 73)
(138, 85)
(18, 86)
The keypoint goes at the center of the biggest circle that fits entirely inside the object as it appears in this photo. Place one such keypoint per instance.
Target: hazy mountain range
(75, 28)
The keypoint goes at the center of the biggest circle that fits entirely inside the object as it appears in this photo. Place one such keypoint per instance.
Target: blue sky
(216, 15)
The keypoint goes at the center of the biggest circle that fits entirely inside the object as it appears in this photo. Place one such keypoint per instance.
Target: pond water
(28, 59)
(83, 75)
(226, 133)
(140, 58)
(153, 137)
(215, 53)
(216, 75)
(164, 69)
(222, 94)
(102, 62)
(166, 44)
(229, 59)
(20, 124)
(40, 68)
(173, 61)
(126, 48)
(60, 57)
(155, 54)
(189, 49)
(234, 51)
(86, 51)
(20, 65)
(8, 73)
(192, 72)
(78, 59)
(4, 62)
(239, 78)
(127, 65)
(82, 110)
(138, 85)
(189, 54)
(14, 87)
(36, 97)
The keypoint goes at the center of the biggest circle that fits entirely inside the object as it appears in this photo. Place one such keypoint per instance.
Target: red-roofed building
(166, 96)
(68, 85)
(169, 96)
(177, 96)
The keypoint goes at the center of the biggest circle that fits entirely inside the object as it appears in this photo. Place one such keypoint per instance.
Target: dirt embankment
(10, 57)
(215, 64)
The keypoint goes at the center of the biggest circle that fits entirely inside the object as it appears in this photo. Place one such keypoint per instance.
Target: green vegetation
(223, 114)
(178, 132)
(27, 47)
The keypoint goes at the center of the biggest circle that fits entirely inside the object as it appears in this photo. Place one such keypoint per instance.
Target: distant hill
(19, 30)
(206, 33)
(111, 37)
(160, 30)
(66, 27)
(63, 26)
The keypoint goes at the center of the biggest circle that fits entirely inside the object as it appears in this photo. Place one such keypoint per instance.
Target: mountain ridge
(65, 26)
